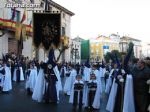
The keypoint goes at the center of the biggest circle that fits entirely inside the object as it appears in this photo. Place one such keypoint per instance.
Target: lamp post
(74, 53)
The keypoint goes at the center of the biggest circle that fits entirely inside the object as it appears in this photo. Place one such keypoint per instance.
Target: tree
(117, 53)
(111, 55)
(107, 57)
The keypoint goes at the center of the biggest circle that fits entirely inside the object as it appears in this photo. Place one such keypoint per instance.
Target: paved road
(18, 101)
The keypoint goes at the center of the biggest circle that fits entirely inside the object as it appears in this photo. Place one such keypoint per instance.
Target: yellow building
(101, 45)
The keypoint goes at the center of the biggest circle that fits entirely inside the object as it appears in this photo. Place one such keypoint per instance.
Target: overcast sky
(103, 17)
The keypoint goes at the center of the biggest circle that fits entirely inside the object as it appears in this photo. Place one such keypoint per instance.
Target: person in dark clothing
(50, 88)
(147, 61)
(141, 74)
(133, 65)
(77, 67)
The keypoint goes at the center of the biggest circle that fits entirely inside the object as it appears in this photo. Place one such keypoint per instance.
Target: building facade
(75, 51)
(145, 49)
(124, 44)
(8, 26)
(66, 15)
(101, 45)
(9, 43)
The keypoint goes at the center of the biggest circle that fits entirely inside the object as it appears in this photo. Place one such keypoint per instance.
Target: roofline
(78, 38)
(61, 7)
(130, 38)
(113, 34)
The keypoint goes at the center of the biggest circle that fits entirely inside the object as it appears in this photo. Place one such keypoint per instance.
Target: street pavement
(17, 100)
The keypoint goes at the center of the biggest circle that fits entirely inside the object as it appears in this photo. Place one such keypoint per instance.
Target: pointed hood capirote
(50, 64)
(117, 61)
(127, 58)
(103, 65)
(51, 58)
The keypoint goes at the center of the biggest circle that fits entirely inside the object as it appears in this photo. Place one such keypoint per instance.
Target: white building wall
(27, 50)
(68, 26)
(137, 49)
(5, 13)
(145, 50)
(1, 12)
(65, 22)
(3, 45)
(68, 34)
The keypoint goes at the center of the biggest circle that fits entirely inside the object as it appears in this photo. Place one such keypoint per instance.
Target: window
(49, 8)
(42, 4)
(17, 15)
(63, 31)
(97, 51)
